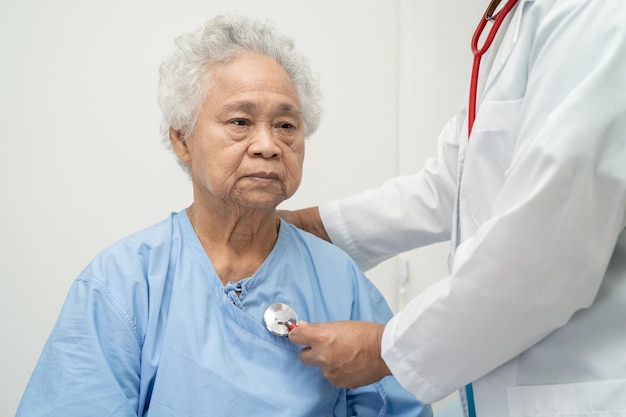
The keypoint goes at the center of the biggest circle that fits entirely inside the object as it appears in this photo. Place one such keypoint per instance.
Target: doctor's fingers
(335, 335)
(325, 342)
(340, 371)
(327, 367)
(318, 334)
(304, 333)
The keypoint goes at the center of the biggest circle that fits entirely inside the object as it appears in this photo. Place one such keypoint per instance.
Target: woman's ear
(179, 145)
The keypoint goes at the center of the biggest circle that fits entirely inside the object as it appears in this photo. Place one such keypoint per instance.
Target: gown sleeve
(90, 363)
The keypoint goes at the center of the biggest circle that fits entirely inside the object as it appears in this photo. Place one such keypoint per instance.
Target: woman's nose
(264, 143)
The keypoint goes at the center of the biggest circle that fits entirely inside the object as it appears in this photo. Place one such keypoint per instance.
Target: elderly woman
(169, 321)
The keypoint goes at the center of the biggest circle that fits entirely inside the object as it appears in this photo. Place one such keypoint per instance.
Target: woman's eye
(286, 126)
(239, 122)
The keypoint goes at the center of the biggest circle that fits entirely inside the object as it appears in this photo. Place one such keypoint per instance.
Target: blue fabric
(148, 329)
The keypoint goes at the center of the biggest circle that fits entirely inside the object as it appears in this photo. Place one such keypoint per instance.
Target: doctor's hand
(347, 352)
(306, 219)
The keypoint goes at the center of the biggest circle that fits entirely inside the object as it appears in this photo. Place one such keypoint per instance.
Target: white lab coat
(533, 311)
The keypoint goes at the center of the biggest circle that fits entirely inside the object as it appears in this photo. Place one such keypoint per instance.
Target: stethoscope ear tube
(478, 51)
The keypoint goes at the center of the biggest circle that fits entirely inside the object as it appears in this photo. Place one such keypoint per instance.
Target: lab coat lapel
(490, 68)
(511, 35)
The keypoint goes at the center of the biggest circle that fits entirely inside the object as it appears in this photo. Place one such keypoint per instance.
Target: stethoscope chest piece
(279, 319)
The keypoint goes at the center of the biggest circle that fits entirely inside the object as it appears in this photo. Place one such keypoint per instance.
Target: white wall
(434, 70)
(82, 164)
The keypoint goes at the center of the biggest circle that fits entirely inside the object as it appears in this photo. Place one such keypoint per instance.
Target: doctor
(531, 319)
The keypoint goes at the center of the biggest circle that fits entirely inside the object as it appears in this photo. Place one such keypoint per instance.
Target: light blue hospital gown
(148, 329)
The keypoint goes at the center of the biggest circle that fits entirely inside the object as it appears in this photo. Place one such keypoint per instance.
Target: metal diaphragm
(279, 318)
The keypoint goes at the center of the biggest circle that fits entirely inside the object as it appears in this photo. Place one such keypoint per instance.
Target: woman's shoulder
(328, 262)
(318, 248)
(131, 256)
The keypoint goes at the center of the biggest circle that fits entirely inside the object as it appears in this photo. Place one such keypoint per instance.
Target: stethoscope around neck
(478, 51)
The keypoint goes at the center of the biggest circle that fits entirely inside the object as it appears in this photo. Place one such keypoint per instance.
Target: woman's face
(247, 148)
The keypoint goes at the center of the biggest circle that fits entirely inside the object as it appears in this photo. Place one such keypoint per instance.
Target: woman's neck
(236, 241)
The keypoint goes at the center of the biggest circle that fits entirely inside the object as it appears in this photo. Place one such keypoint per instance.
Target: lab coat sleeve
(541, 255)
(91, 362)
(405, 213)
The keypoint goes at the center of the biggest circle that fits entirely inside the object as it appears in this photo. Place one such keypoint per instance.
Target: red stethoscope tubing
(478, 52)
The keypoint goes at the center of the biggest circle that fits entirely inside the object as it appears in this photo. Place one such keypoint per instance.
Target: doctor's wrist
(381, 368)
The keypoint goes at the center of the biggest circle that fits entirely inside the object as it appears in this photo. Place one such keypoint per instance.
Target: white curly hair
(183, 75)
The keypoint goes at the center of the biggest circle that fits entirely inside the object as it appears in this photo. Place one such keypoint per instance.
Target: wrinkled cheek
(292, 185)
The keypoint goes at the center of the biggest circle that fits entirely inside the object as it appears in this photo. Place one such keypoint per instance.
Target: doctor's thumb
(298, 335)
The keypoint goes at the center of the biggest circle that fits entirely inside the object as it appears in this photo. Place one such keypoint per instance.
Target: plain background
(82, 163)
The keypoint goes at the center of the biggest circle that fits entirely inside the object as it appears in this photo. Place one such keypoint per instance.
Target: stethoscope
(497, 19)
(280, 319)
